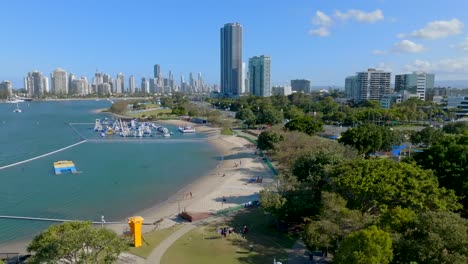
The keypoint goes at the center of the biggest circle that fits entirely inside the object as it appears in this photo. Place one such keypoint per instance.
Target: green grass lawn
(204, 245)
(152, 239)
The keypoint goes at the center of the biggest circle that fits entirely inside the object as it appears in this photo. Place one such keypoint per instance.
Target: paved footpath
(158, 252)
(298, 254)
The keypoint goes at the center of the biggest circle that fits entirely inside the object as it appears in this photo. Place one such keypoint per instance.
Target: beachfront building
(59, 82)
(231, 60)
(259, 76)
(131, 84)
(120, 83)
(36, 84)
(6, 88)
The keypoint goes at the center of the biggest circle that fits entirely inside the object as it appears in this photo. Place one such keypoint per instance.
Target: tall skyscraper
(131, 84)
(171, 80)
(260, 69)
(120, 83)
(145, 85)
(45, 84)
(231, 59)
(200, 85)
(372, 85)
(415, 83)
(59, 81)
(71, 78)
(157, 71)
(300, 85)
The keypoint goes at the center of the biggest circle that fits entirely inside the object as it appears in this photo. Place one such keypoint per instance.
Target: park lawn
(151, 112)
(152, 239)
(204, 245)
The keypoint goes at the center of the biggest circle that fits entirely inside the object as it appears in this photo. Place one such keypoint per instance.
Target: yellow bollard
(135, 223)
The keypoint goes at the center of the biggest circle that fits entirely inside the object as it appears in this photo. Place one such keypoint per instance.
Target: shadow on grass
(262, 237)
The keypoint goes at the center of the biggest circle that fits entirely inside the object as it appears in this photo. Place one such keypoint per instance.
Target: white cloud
(407, 46)
(361, 16)
(439, 29)
(379, 52)
(384, 66)
(321, 32)
(449, 68)
(463, 46)
(321, 19)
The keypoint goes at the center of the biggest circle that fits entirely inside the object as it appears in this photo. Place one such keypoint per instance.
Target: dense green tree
(427, 136)
(306, 124)
(293, 112)
(448, 158)
(436, 238)
(369, 138)
(76, 242)
(335, 222)
(311, 166)
(301, 100)
(246, 115)
(269, 115)
(397, 219)
(369, 185)
(267, 139)
(369, 246)
(456, 127)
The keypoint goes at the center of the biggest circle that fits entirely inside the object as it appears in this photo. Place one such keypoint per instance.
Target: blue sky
(320, 40)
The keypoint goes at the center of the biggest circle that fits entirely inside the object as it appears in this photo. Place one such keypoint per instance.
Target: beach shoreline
(209, 193)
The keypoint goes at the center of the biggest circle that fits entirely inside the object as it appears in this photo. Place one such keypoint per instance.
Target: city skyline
(324, 41)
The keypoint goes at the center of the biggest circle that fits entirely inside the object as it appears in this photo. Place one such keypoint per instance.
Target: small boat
(17, 109)
(186, 129)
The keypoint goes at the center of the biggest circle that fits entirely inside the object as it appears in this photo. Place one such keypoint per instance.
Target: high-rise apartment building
(157, 71)
(6, 87)
(260, 70)
(131, 84)
(300, 85)
(34, 84)
(231, 59)
(145, 85)
(71, 78)
(59, 81)
(415, 83)
(372, 85)
(120, 83)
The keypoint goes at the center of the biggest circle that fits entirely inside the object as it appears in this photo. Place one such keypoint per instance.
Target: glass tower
(231, 59)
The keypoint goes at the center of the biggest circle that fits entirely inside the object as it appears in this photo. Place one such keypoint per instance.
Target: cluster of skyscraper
(375, 85)
(62, 83)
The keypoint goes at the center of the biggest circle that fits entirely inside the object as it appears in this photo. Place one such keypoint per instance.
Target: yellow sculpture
(135, 223)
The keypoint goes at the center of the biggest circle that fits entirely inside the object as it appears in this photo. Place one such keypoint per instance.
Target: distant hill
(452, 83)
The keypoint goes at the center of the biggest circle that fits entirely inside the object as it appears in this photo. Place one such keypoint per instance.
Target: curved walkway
(158, 252)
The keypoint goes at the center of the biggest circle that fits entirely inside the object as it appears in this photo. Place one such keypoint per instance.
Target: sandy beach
(231, 180)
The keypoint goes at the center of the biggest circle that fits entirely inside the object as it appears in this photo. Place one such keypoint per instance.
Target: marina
(120, 177)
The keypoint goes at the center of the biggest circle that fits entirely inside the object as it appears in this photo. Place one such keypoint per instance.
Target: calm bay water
(117, 179)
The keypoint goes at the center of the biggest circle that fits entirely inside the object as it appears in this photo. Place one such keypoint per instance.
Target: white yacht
(17, 109)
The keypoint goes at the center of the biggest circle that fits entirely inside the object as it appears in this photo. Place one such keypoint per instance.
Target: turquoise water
(117, 179)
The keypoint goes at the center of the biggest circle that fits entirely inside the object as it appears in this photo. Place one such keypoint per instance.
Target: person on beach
(224, 199)
(190, 195)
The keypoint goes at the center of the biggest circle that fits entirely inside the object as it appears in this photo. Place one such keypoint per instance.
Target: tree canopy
(267, 139)
(306, 124)
(368, 246)
(448, 158)
(436, 238)
(427, 136)
(369, 138)
(371, 184)
(76, 242)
